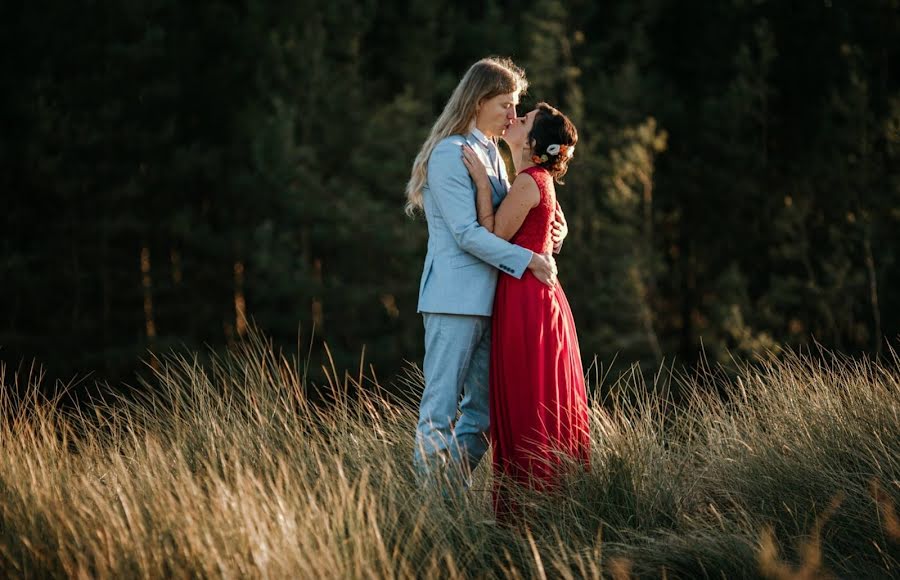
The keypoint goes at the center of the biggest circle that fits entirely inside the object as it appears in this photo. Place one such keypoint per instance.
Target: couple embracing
(501, 349)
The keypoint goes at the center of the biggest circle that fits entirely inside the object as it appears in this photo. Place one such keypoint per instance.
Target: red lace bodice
(534, 233)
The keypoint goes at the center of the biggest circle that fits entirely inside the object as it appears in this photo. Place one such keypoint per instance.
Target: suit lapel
(504, 177)
(497, 181)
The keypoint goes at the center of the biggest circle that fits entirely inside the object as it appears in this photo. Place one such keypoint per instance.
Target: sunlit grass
(791, 470)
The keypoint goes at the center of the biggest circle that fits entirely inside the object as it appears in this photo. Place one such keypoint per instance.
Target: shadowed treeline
(171, 170)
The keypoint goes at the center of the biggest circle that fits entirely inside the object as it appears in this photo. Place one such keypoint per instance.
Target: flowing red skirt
(538, 401)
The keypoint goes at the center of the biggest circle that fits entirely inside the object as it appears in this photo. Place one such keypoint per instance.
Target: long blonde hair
(485, 79)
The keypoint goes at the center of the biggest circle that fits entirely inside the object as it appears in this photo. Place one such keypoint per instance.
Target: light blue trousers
(457, 353)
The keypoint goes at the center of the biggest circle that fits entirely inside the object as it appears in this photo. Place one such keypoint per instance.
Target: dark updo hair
(552, 127)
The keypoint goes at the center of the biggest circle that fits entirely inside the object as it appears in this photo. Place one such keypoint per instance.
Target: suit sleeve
(454, 194)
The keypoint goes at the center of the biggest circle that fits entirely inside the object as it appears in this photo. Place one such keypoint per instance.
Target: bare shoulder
(525, 189)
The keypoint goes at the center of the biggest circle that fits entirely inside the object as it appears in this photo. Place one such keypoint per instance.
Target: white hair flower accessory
(556, 149)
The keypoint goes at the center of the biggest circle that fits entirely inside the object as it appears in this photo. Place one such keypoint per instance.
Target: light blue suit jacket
(463, 259)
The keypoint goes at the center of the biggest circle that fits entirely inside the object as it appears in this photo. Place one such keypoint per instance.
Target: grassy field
(790, 470)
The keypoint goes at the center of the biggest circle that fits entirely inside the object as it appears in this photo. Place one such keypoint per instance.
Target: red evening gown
(538, 402)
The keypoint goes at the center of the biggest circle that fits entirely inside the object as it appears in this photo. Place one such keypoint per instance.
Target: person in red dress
(538, 400)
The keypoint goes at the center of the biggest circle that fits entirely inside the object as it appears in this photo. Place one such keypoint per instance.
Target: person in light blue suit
(456, 292)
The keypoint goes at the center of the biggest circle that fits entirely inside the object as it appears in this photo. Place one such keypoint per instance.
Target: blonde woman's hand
(543, 266)
(560, 229)
(476, 168)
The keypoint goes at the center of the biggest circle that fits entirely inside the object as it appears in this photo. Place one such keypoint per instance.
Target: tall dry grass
(791, 470)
